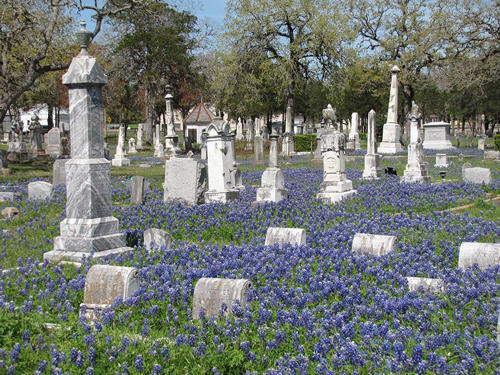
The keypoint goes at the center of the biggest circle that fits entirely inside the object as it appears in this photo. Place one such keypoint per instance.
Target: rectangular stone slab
(292, 236)
(484, 254)
(426, 284)
(374, 244)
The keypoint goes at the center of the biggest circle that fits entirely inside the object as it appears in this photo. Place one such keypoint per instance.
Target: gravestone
(416, 168)
(131, 146)
(236, 178)
(104, 284)
(437, 136)
(66, 147)
(140, 128)
(373, 244)
(354, 143)
(250, 134)
(59, 172)
(484, 254)
(265, 131)
(372, 159)
(287, 145)
(120, 158)
(292, 236)
(477, 175)
(138, 189)
(441, 161)
(391, 133)
(481, 143)
(258, 149)
(317, 152)
(239, 130)
(492, 155)
(210, 294)
(4, 163)
(155, 239)
(39, 190)
(159, 150)
(54, 147)
(36, 130)
(203, 147)
(89, 225)
(272, 188)
(171, 139)
(185, 179)
(426, 284)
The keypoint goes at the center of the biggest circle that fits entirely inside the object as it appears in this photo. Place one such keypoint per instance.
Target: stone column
(120, 159)
(416, 169)
(392, 130)
(171, 139)
(288, 145)
(371, 170)
(354, 132)
(89, 225)
(159, 153)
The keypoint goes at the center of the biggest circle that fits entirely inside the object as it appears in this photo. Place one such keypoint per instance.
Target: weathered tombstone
(89, 225)
(426, 284)
(7, 196)
(250, 134)
(484, 254)
(258, 149)
(39, 190)
(171, 139)
(185, 179)
(265, 131)
(354, 133)
(120, 158)
(374, 244)
(492, 155)
(131, 146)
(203, 147)
(317, 152)
(104, 285)
(371, 170)
(159, 151)
(54, 147)
(236, 178)
(292, 236)
(66, 147)
(59, 172)
(272, 187)
(481, 143)
(155, 239)
(416, 169)
(392, 131)
(287, 145)
(211, 294)
(437, 136)
(138, 189)
(441, 161)
(477, 175)
(140, 130)
(10, 212)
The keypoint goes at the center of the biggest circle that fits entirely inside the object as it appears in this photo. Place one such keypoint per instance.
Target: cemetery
(244, 242)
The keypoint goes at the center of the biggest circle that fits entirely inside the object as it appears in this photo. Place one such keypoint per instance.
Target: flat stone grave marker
(491, 155)
(104, 284)
(374, 244)
(138, 189)
(185, 179)
(484, 254)
(155, 239)
(426, 284)
(39, 190)
(211, 293)
(292, 236)
(477, 175)
(59, 172)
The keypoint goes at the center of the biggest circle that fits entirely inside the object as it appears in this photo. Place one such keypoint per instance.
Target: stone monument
(250, 134)
(239, 130)
(272, 187)
(36, 136)
(437, 136)
(485, 255)
(373, 244)
(258, 149)
(354, 133)
(131, 146)
(120, 159)
(372, 170)
(54, 147)
(89, 225)
(156, 239)
(392, 131)
(236, 179)
(171, 139)
(40, 190)
(287, 146)
(281, 236)
(441, 161)
(185, 179)
(159, 151)
(140, 130)
(416, 169)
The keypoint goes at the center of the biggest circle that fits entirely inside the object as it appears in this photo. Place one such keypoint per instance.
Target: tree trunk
(50, 116)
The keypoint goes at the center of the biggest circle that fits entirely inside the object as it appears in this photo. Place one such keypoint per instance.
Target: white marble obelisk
(371, 170)
(159, 153)
(287, 147)
(171, 139)
(416, 170)
(140, 129)
(120, 158)
(354, 132)
(89, 226)
(392, 130)
(272, 187)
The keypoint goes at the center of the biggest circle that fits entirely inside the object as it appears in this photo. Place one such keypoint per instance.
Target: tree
(35, 38)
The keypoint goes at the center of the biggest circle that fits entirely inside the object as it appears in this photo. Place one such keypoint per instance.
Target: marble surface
(292, 236)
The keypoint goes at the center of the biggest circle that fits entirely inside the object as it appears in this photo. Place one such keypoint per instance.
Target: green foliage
(362, 136)
(497, 141)
(306, 142)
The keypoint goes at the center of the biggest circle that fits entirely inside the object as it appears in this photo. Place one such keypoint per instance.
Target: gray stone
(155, 239)
(138, 189)
(491, 155)
(185, 179)
(292, 236)
(104, 284)
(120, 158)
(484, 254)
(39, 190)
(354, 133)
(171, 139)
(210, 294)
(131, 146)
(477, 175)
(373, 244)
(10, 212)
(372, 159)
(54, 147)
(391, 133)
(4, 163)
(287, 145)
(258, 149)
(481, 143)
(426, 284)
(441, 161)
(59, 172)
(416, 169)
(272, 187)
(89, 225)
(437, 136)
(6, 196)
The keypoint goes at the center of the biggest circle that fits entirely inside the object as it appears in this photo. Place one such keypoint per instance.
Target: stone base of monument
(171, 148)
(120, 162)
(221, 196)
(390, 143)
(372, 171)
(273, 186)
(56, 256)
(335, 191)
(332, 197)
(415, 175)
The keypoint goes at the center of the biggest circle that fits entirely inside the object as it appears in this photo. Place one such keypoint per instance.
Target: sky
(212, 9)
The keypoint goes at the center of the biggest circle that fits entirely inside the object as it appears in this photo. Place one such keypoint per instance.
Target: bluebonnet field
(313, 309)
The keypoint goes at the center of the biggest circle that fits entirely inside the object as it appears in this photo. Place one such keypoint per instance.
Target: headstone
(372, 159)
(210, 294)
(477, 175)
(104, 284)
(171, 139)
(203, 148)
(258, 149)
(492, 155)
(140, 129)
(138, 189)
(481, 143)
(159, 151)
(235, 173)
(155, 239)
(317, 152)
(354, 132)
(7, 196)
(120, 158)
(220, 164)
(392, 131)
(426, 284)
(335, 186)
(239, 130)
(66, 147)
(131, 146)
(185, 179)
(416, 169)
(441, 161)
(250, 134)
(287, 145)
(59, 172)
(281, 236)
(89, 225)
(54, 147)
(484, 254)
(10, 212)
(373, 244)
(272, 187)
(437, 136)
(39, 190)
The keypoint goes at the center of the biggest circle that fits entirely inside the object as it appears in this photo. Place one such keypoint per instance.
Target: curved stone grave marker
(155, 239)
(374, 244)
(427, 284)
(39, 190)
(484, 254)
(292, 236)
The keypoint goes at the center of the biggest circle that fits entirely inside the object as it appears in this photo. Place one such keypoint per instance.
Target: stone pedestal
(437, 136)
(89, 225)
(390, 139)
(371, 170)
(171, 139)
(416, 169)
(441, 161)
(272, 188)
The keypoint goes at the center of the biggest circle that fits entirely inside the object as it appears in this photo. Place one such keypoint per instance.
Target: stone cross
(89, 225)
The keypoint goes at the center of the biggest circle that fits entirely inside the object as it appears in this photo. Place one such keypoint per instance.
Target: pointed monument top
(395, 69)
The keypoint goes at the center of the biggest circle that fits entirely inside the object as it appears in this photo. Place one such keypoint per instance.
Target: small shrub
(305, 142)
(497, 141)
(362, 136)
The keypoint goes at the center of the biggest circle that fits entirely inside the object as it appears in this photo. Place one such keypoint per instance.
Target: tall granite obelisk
(89, 225)
(392, 130)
